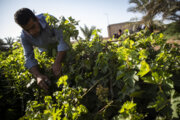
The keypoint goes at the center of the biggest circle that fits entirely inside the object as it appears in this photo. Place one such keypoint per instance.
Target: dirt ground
(171, 41)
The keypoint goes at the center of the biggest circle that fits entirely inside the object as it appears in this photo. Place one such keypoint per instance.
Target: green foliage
(16, 75)
(128, 112)
(99, 78)
(68, 27)
(63, 105)
(144, 68)
(13, 80)
(172, 31)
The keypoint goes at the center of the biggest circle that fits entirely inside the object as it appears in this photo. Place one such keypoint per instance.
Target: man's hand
(43, 82)
(56, 69)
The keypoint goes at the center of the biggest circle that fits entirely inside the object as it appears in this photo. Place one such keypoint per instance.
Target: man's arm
(62, 47)
(32, 65)
(57, 63)
(60, 56)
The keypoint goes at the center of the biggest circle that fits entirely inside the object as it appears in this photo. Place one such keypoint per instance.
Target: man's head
(28, 21)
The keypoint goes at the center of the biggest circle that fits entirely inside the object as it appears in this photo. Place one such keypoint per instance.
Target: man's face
(32, 27)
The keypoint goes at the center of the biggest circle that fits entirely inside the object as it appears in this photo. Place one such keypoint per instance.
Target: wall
(114, 28)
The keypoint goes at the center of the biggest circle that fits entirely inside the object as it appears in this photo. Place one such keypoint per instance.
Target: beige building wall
(114, 28)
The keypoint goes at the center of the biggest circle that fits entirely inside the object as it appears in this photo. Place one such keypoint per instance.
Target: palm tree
(1, 44)
(9, 41)
(87, 32)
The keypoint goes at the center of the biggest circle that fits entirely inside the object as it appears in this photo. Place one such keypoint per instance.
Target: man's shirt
(47, 38)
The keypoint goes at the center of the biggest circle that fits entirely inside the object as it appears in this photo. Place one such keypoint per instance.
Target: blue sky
(97, 13)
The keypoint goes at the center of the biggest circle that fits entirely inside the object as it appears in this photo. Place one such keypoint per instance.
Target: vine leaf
(144, 68)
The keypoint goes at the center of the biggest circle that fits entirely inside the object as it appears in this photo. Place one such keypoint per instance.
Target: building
(131, 26)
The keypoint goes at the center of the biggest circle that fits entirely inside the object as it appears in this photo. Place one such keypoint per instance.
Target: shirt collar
(41, 21)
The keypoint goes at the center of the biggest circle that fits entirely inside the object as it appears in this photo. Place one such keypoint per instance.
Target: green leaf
(66, 22)
(130, 78)
(143, 54)
(131, 43)
(160, 55)
(127, 107)
(95, 71)
(144, 68)
(47, 99)
(47, 112)
(120, 74)
(62, 80)
(161, 35)
(158, 78)
(160, 103)
(138, 94)
(175, 104)
(148, 79)
(78, 78)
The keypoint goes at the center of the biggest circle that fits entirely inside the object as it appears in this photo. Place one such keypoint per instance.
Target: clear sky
(97, 13)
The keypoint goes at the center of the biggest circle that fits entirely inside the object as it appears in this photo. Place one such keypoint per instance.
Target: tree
(87, 32)
(168, 8)
(174, 11)
(143, 7)
(140, 6)
(2, 47)
(9, 41)
(1, 42)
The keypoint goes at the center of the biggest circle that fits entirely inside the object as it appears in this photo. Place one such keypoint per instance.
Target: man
(37, 32)
(119, 33)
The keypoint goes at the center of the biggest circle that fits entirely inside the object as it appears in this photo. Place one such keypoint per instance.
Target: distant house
(131, 26)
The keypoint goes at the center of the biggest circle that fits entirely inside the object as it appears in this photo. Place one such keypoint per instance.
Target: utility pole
(107, 18)
(108, 28)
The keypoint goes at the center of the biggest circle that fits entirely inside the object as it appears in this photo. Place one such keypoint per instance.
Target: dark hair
(120, 30)
(23, 15)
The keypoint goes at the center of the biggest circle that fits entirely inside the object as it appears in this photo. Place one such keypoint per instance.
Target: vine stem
(160, 88)
(94, 85)
(111, 89)
(106, 106)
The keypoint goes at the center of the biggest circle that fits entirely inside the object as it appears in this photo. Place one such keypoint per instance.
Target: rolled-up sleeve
(62, 45)
(30, 61)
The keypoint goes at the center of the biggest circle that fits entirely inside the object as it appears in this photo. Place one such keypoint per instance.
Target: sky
(98, 13)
